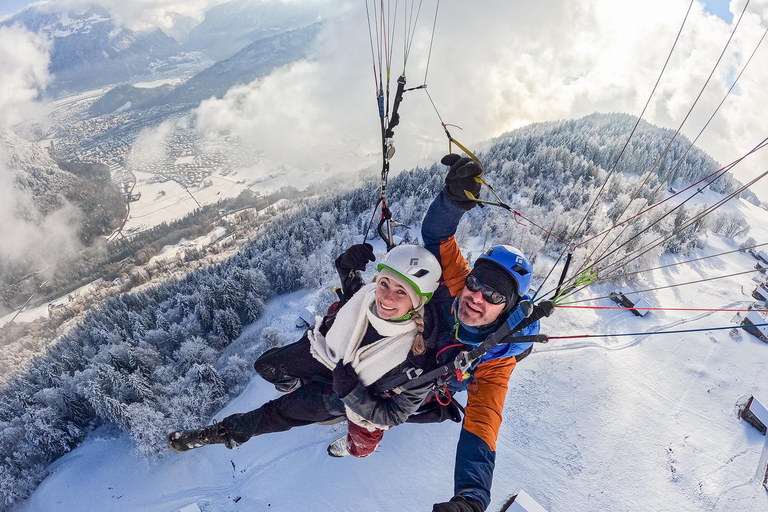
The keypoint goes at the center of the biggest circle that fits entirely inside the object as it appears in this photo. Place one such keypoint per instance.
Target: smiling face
(474, 311)
(392, 300)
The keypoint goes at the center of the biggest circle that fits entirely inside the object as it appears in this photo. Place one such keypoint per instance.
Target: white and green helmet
(415, 268)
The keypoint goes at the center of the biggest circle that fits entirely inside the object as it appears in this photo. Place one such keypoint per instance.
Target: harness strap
(462, 363)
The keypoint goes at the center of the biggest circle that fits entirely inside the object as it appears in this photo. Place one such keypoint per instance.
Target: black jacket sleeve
(392, 410)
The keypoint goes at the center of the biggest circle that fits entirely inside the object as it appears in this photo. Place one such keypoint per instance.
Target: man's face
(475, 311)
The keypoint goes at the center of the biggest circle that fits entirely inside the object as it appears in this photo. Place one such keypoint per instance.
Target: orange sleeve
(483, 411)
(455, 266)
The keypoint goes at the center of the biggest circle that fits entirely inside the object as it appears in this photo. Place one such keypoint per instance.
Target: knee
(265, 364)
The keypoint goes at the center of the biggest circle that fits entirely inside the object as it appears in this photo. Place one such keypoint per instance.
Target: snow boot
(339, 448)
(183, 440)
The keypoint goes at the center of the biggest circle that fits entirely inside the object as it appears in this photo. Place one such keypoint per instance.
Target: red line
(658, 309)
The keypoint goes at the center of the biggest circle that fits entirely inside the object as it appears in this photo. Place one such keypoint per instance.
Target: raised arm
(443, 217)
(349, 265)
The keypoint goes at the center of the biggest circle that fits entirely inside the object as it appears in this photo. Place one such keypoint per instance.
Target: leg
(304, 406)
(309, 404)
(290, 366)
(359, 442)
(362, 442)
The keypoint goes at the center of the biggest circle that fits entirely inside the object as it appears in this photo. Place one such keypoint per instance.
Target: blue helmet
(513, 262)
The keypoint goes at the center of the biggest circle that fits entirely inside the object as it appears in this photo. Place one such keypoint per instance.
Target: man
(474, 304)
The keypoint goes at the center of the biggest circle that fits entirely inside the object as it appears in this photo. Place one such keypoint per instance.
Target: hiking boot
(339, 448)
(183, 440)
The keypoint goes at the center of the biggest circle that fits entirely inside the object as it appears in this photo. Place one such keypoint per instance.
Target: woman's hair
(418, 346)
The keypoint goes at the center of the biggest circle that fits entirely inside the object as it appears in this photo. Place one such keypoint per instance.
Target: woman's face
(392, 301)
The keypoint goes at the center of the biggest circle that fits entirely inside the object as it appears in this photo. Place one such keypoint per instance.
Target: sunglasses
(489, 294)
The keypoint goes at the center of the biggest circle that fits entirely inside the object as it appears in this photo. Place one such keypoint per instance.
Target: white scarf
(342, 343)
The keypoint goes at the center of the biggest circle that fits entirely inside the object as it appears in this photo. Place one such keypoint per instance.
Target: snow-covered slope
(639, 423)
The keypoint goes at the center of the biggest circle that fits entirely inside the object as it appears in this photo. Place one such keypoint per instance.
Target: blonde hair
(418, 346)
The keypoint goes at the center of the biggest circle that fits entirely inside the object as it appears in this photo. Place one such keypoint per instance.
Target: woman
(383, 329)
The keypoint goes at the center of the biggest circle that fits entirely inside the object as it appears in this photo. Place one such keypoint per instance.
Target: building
(756, 325)
(761, 292)
(756, 415)
(306, 318)
(523, 502)
(637, 305)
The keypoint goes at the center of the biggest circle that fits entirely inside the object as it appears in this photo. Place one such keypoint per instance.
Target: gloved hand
(461, 177)
(345, 379)
(458, 504)
(356, 257)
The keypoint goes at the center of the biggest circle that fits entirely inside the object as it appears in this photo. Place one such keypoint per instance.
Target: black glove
(461, 177)
(458, 504)
(345, 379)
(437, 413)
(355, 258)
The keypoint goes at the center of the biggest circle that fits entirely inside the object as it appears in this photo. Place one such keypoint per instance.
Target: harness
(461, 365)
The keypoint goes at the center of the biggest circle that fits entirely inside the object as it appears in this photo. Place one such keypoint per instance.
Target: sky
(719, 8)
(508, 64)
(12, 6)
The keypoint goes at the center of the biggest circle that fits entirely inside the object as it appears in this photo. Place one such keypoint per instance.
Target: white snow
(638, 423)
(156, 83)
(170, 252)
(169, 201)
(30, 314)
(126, 106)
(188, 159)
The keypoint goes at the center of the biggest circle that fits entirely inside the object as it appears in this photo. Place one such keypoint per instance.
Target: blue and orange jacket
(476, 451)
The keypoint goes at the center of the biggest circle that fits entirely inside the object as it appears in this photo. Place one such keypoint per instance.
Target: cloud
(137, 14)
(26, 236)
(29, 240)
(23, 74)
(150, 147)
(504, 65)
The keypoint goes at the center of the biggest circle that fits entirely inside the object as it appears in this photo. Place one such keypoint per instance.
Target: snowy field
(32, 314)
(640, 423)
(169, 201)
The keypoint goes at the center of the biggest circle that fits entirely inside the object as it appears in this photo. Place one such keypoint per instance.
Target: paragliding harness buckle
(412, 373)
(463, 363)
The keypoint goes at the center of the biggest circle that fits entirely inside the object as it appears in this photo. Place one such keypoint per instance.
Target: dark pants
(313, 402)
